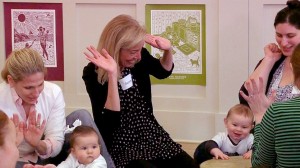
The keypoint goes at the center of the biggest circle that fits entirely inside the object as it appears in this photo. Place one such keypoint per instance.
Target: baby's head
(239, 122)
(9, 152)
(84, 142)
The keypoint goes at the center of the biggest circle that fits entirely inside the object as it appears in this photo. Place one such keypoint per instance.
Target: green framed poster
(184, 26)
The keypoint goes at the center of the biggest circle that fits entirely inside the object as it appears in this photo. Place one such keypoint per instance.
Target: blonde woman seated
(40, 105)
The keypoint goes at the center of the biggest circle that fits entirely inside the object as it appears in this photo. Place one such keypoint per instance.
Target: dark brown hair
(81, 130)
(289, 14)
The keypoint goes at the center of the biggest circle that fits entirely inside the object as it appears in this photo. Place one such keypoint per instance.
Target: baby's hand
(218, 154)
(247, 155)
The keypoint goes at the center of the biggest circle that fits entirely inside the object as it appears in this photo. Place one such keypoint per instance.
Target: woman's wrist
(112, 76)
(169, 50)
(36, 145)
(258, 119)
(41, 147)
(269, 59)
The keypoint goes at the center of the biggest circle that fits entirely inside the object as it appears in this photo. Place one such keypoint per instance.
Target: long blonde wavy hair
(122, 32)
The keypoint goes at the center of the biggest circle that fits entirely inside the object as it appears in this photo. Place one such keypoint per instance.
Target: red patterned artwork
(37, 26)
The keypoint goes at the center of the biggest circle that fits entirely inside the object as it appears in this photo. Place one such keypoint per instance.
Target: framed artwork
(38, 26)
(184, 26)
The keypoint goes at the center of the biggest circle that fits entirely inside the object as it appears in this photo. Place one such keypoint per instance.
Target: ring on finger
(38, 126)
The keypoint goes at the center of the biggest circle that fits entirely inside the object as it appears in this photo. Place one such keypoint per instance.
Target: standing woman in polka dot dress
(118, 83)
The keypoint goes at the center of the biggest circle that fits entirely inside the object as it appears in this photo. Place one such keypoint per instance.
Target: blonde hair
(21, 63)
(241, 109)
(122, 32)
(4, 120)
(295, 62)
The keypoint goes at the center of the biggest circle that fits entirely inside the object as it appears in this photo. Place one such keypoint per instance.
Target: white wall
(236, 31)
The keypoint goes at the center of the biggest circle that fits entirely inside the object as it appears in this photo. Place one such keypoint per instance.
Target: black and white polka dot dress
(139, 135)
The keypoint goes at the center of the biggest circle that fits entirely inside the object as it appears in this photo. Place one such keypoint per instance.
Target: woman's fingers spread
(254, 86)
(105, 53)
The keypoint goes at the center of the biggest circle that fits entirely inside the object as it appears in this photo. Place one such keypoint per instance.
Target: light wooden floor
(189, 147)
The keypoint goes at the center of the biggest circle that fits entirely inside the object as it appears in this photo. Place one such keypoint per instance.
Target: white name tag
(126, 82)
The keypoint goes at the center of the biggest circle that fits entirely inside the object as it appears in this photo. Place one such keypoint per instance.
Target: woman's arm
(106, 120)
(56, 124)
(264, 146)
(113, 99)
(264, 69)
(272, 54)
(47, 118)
(165, 45)
(167, 60)
(105, 61)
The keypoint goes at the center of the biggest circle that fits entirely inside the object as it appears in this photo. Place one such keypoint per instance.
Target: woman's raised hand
(158, 42)
(272, 51)
(102, 60)
(19, 128)
(256, 98)
(34, 130)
